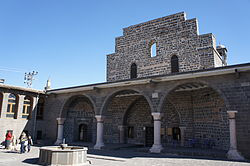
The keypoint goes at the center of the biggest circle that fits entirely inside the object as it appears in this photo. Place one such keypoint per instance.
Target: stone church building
(167, 85)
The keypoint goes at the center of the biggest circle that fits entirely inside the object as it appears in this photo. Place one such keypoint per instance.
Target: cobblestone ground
(119, 158)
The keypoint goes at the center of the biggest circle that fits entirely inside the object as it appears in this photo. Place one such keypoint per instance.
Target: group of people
(11, 142)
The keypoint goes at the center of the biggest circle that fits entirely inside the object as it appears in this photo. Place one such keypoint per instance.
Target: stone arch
(115, 106)
(176, 85)
(67, 102)
(79, 110)
(108, 99)
(203, 113)
(127, 111)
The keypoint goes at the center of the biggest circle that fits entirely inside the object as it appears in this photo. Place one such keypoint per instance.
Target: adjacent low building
(20, 108)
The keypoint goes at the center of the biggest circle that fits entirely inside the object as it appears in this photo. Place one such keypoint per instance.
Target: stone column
(157, 147)
(19, 110)
(4, 105)
(60, 122)
(233, 153)
(99, 135)
(122, 136)
(182, 135)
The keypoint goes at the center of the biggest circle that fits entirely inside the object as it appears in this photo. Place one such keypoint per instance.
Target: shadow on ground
(31, 161)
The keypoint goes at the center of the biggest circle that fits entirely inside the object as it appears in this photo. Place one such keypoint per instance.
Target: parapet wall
(173, 35)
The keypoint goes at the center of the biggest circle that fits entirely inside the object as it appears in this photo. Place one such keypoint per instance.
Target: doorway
(176, 133)
(149, 136)
(83, 132)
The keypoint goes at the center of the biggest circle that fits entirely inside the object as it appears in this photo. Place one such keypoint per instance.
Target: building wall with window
(18, 110)
(151, 45)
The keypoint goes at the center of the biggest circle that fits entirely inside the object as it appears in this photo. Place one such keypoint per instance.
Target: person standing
(30, 142)
(23, 140)
(8, 138)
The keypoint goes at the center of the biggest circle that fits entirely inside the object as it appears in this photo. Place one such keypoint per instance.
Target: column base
(233, 154)
(99, 146)
(58, 142)
(156, 148)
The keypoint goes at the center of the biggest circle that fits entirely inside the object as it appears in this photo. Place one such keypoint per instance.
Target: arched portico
(77, 121)
(115, 107)
(203, 112)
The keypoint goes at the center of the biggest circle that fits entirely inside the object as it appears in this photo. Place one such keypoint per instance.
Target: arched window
(12, 106)
(40, 109)
(27, 108)
(133, 71)
(174, 64)
(153, 50)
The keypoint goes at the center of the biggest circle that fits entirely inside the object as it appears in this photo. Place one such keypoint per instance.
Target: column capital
(232, 113)
(121, 127)
(156, 115)
(60, 121)
(99, 118)
(182, 128)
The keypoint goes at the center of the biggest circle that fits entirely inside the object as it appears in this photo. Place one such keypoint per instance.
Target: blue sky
(67, 40)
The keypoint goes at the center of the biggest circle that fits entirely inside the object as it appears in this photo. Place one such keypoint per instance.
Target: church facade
(167, 85)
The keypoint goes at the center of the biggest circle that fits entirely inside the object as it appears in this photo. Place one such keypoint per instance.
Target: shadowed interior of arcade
(128, 119)
(80, 122)
(194, 115)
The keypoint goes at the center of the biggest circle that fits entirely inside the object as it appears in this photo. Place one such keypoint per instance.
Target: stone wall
(80, 112)
(114, 117)
(173, 35)
(202, 112)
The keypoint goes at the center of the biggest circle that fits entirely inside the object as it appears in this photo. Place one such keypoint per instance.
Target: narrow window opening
(153, 50)
(133, 72)
(174, 64)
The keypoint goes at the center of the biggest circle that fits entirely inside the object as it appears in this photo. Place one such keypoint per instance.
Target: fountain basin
(70, 155)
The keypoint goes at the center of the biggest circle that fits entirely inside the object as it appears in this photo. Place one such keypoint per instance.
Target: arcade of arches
(191, 115)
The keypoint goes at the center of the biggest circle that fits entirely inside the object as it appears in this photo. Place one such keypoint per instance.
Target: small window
(130, 132)
(12, 106)
(153, 50)
(174, 64)
(40, 109)
(26, 113)
(133, 72)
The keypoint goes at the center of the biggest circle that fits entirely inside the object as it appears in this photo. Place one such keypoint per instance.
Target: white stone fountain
(63, 155)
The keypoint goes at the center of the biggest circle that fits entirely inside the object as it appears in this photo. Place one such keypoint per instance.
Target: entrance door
(176, 133)
(149, 136)
(83, 132)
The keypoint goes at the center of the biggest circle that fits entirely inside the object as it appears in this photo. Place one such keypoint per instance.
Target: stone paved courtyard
(124, 157)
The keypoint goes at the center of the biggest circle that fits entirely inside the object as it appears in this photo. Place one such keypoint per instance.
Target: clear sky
(67, 40)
